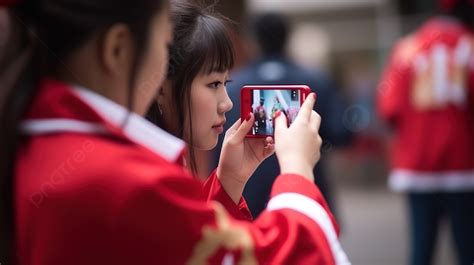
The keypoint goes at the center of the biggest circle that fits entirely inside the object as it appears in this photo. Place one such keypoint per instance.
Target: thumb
(234, 127)
(244, 128)
(280, 121)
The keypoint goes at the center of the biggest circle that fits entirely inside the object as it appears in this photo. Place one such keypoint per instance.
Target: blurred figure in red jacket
(427, 95)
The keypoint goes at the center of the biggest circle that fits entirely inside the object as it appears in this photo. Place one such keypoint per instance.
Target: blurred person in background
(427, 95)
(273, 67)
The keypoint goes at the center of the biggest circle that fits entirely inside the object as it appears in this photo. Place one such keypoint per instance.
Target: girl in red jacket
(86, 180)
(192, 102)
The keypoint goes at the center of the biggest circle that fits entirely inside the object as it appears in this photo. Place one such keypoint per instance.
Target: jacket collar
(60, 107)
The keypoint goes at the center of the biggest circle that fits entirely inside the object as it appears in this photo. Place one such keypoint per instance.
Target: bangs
(214, 46)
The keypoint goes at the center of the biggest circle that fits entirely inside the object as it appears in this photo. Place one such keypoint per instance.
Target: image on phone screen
(265, 103)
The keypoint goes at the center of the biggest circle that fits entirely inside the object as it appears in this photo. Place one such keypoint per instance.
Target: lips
(220, 124)
(219, 127)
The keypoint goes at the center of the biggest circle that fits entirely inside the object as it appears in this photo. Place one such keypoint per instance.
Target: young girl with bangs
(193, 100)
(86, 180)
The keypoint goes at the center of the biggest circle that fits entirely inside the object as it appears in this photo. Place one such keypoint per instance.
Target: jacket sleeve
(174, 223)
(394, 87)
(215, 192)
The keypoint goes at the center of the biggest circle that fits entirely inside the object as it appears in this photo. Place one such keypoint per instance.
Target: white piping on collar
(50, 125)
(134, 126)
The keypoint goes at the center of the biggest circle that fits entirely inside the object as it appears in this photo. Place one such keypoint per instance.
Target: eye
(215, 84)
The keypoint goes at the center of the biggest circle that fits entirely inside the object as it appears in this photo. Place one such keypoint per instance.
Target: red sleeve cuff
(215, 192)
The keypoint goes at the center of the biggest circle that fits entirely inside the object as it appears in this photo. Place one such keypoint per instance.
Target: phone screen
(266, 102)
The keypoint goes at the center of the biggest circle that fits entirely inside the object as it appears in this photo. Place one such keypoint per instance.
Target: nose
(225, 103)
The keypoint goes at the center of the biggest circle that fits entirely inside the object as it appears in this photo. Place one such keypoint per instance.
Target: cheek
(197, 118)
(202, 106)
(201, 112)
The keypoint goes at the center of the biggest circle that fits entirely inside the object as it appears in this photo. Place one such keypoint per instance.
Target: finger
(305, 112)
(268, 145)
(242, 131)
(280, 122)
(268, 150)
(234, 126)
(315, 122)
(269, 140)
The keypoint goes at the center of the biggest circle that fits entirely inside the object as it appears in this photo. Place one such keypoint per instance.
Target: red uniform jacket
(98, 185)
(427, 94)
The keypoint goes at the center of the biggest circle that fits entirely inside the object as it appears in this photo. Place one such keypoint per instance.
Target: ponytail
(18, 78)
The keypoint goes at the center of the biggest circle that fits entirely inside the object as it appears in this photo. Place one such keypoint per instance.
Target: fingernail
(314, 96)
(248, 117)
(277, 114)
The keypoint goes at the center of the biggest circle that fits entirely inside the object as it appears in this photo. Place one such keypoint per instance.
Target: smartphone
(265, 100)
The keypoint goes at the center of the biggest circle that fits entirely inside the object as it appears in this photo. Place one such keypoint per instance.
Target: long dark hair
(45, 33)
(202, 43)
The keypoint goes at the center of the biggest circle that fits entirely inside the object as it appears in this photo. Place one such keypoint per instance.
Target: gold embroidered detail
(225, 235)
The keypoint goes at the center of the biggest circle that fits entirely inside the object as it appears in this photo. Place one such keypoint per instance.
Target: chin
(206, 146)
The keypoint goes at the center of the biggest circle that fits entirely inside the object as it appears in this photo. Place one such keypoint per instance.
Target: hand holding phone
(265, 101)
(298, 146)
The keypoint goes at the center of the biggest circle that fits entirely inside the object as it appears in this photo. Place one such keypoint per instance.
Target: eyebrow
(213, 73)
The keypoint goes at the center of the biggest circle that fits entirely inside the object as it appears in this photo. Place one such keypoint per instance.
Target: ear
(117, 50)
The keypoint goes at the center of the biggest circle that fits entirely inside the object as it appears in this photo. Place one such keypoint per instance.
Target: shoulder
(83, 164)
(406, 49)
(130, 163)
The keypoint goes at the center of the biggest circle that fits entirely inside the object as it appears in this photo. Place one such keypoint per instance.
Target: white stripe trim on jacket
(134, 126)
(315, 212)
(417, 181)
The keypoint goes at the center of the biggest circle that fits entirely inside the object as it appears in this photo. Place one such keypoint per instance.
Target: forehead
(214, 74)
